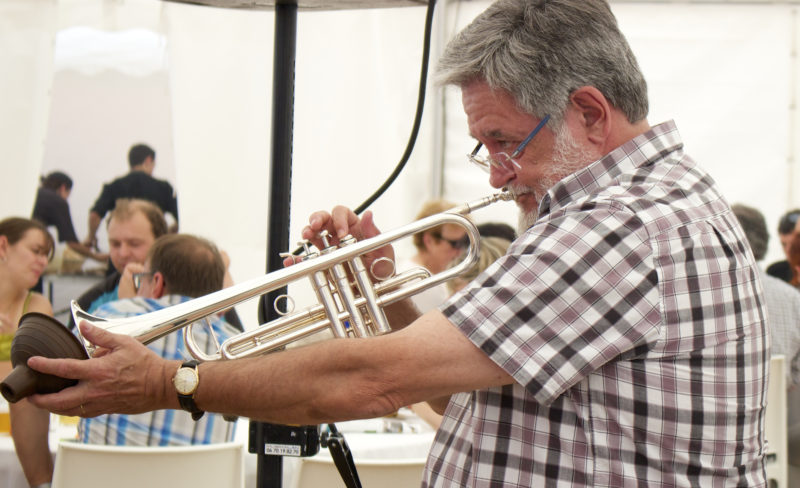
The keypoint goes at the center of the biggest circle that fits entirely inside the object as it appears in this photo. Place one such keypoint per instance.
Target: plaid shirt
(631, 317)
(161, 427)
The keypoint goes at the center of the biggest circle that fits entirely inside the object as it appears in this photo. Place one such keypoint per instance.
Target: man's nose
(124, 250)
(499, 176)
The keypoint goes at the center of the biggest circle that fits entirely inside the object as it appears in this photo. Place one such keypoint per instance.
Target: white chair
(775, 426)
(318, 471)
(202, 466)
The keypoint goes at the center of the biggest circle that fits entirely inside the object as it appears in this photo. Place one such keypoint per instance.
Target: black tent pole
(270, 467)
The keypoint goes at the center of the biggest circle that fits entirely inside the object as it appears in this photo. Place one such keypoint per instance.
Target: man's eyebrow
(492, 134)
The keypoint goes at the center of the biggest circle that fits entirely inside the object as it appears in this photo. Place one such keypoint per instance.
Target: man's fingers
(368, 227)
(345, 221)
(63, 368)
(65, 402)
(101, 337)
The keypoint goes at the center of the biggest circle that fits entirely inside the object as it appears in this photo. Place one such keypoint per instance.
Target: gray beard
(568, 157)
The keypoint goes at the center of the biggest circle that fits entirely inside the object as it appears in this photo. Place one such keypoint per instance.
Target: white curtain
(27, 29)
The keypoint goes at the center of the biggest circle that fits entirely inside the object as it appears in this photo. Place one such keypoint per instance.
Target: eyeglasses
(503, 160)
(455, 243)
(137, 278)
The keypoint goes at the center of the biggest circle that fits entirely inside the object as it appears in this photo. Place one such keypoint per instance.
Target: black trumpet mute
(39, 335)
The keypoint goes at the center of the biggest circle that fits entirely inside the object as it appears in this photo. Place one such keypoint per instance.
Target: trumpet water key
(349, 303)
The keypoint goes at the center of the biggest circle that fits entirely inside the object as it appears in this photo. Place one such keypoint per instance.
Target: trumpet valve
(326, 243)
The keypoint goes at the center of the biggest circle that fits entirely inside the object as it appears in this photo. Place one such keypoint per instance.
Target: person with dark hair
(497, 229)
(133, 226)
(138, 183)
(620, 341)
(178, 267)
(51, 208)
(787, 225)
(25, 249)
(783, 300)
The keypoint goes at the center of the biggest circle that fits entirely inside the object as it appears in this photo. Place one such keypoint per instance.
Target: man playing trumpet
(620, 341)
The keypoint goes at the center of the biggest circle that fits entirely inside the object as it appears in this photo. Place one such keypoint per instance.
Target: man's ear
(3, 247)
(159, 286)
(593, 113)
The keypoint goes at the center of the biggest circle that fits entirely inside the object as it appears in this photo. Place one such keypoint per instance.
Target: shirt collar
(638, 152)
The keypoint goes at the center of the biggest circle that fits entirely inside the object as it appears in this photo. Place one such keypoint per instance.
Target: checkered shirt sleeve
(631, 319)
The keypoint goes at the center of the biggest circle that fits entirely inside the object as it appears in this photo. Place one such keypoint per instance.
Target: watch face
(185, 381)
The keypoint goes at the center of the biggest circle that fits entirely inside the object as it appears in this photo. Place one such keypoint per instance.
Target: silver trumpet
(348, 309)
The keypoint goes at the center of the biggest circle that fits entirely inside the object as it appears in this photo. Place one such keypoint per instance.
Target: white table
(367, 439)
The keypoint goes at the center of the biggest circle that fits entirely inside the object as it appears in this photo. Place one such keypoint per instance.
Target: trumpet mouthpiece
(507, 194)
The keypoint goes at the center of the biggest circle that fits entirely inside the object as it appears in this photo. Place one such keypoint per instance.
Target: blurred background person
(786, 227)
(497, 229)
(178, 267)
(25, 249)
(784, 321)
(138, 183)
(491, 249)
(51, 208)
(783, 300)
(435, 249)
(133, 226)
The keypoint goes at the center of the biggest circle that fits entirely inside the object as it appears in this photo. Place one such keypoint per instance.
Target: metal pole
(270, 467)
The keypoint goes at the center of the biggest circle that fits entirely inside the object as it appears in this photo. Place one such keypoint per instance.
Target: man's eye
(504, 145)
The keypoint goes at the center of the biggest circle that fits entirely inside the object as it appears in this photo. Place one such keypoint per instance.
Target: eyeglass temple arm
(477, 148)
(535, 131)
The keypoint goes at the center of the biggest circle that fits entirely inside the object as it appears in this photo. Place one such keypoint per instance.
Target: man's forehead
(135, 221)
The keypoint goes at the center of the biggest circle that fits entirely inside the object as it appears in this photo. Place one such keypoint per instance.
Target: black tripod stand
(274, 441)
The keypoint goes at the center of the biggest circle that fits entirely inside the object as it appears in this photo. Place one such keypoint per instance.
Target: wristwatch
(186, 380)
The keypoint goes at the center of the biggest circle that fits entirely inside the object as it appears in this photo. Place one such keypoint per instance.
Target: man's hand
(123, 377)
(126, 288)
(340, 222)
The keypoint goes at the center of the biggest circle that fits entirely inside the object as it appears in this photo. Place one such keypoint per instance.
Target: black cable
(423, 80)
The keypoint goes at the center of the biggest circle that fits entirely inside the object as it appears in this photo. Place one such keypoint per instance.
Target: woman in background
(492, 248)
(52, 209)
(25, 249)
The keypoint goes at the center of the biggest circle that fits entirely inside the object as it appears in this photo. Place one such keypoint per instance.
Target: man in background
(178, 267)
(138, 183)
(783, 300)
(133, 226)
(786, 227)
